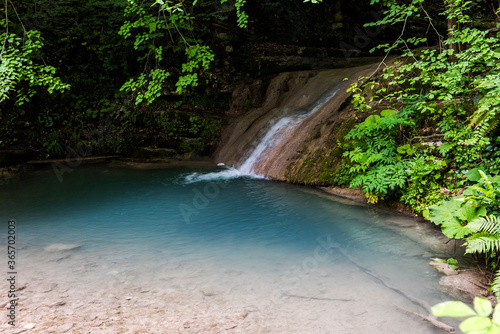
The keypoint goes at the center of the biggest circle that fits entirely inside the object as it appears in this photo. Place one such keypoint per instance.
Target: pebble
(29, 326)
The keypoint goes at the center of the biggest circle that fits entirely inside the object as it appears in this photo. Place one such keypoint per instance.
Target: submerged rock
(465, 285)
(29, 326)
(443, 267)
(61, 247)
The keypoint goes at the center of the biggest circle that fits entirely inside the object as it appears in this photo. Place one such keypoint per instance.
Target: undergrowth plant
(22, 68)
(483, 319)
(445, 103)
(473, 216)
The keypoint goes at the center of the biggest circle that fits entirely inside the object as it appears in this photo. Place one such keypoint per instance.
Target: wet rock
(443, 267)
(208, 293)
(464, 286)
(61, 247)
(352, 194)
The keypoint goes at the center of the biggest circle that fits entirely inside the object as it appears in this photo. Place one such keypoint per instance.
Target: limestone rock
(464, 286)
(443, 267)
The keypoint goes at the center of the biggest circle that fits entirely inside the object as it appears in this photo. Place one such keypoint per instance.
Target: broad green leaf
(387, 112)
(475, 324)
(402, 149)
(372, 119)
(453, 228)
(482, 306)
(444, 212)
(473, 175)
(469, 213)
(496, 315)
(494, 330)
(452, 309)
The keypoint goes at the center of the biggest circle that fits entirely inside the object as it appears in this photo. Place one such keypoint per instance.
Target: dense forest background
(85, 44)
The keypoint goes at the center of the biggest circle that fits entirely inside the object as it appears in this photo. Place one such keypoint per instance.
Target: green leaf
(475, 324)
(494, 330)
(452, 309)
(496, 315)
(454, 229)
(473, 175)
(403, 149)
(372, 119)
(482, 306)
(387, 112)
(444, 212)
(468, 213)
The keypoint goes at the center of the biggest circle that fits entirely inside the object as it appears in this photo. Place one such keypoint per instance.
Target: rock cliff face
(267, 140)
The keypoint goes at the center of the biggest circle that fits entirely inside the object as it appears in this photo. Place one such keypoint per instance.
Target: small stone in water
(29, 326)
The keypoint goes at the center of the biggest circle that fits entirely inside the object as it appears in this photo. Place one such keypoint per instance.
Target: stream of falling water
(276, 131)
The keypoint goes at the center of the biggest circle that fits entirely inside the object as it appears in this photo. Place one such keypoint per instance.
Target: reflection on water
(204, 246)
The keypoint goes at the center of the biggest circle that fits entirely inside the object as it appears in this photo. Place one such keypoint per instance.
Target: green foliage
(472, 216)
(479, 321)
(450, 91)
(21, 66)
(379, 166)
(164, 35)
(160, 35)
(485, 236)
(240, 13)
(453, 263)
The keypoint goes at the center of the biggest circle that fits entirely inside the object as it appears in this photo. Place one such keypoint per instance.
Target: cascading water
(269, 138)
(275, 132)
(265, 141)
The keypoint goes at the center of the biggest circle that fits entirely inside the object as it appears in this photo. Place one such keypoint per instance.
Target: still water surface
(179, 250)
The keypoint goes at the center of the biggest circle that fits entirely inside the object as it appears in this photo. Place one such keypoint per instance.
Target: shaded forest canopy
(82, 43)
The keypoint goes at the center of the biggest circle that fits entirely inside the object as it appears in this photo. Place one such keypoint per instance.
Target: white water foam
(272, 135)
(276, 132)
(272, 138)
(227, 173)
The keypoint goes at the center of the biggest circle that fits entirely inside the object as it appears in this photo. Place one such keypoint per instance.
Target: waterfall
(265, 141)
(275, 132)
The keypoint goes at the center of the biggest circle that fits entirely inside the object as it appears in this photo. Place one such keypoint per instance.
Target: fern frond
(484, 113)
(490, 224)
(492, 125)
(495, 285)
(483, 242)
